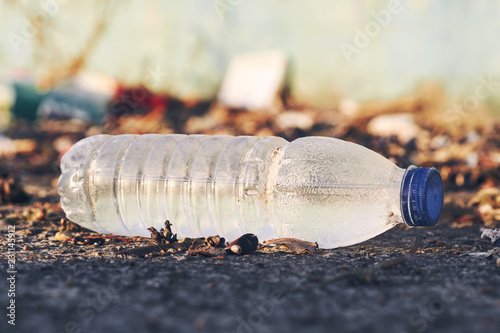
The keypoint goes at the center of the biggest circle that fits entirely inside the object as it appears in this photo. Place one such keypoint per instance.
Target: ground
(442, 279)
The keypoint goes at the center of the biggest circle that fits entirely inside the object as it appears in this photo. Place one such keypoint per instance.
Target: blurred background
(344, 49)
(418, 81)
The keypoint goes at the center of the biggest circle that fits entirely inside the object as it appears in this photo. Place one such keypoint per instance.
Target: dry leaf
(296, 246)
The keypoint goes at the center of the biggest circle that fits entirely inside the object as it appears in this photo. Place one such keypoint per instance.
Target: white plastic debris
(493, 253)
(254, 81)
(7, 147)
(294, 119)
(401, 125)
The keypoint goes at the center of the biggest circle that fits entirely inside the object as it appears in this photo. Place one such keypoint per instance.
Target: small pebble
(117, 248)
(236, 249)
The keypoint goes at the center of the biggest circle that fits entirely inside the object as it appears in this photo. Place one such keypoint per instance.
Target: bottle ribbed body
(319, 189)
(205, 185)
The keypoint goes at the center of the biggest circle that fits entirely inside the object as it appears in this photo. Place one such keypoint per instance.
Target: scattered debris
(164, 236)
(7, 97)
(84, 96)
(254, 81)
(401, 125)
(293, 245)
(246, 244)
(493, 253)
(416, 245)
(11, 191)
(493, 235)
(10, 148)
(215, 241)
(386, 264)
(140, 251)
(487, 202)
(365, 111)
(36, 213)
(118, 248)
(294, 119)
(212, 246)
(88, 240)
(61, 236)
(202, 247)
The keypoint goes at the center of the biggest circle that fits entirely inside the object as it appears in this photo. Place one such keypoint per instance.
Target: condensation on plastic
(324, 190)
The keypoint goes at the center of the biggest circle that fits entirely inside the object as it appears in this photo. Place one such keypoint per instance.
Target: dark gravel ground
(447, 285)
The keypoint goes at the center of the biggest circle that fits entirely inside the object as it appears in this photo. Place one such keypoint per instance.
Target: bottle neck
(396, 213)
(405, 182)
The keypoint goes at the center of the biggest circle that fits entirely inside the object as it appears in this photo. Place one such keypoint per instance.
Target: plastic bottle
(319, 189)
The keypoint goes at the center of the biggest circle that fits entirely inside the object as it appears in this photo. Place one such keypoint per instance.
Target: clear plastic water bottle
(324, 190)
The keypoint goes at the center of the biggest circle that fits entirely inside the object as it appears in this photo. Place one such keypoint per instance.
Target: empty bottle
(324, 190)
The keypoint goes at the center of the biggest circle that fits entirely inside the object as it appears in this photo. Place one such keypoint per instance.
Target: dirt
(406, 280)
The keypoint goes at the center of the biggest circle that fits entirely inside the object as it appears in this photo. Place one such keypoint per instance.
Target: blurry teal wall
(184, 47)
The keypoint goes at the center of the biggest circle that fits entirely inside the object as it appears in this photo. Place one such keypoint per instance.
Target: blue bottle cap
(421, 197)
